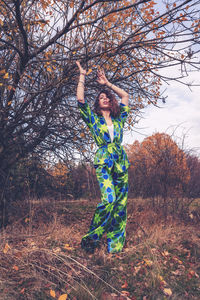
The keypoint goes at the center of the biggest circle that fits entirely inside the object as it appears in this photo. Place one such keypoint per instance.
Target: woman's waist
(110, 145)
(110, 148)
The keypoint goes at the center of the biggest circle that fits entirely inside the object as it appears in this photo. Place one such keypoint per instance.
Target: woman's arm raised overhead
(81, 84)
(120, 92)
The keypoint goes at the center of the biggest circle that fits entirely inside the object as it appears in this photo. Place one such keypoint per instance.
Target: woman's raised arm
(120, 92)
(81, 84)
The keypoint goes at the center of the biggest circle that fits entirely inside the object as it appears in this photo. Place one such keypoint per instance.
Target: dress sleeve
(86, 113)
(124, 111)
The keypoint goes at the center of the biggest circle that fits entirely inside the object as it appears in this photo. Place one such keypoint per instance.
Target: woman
(111, 163)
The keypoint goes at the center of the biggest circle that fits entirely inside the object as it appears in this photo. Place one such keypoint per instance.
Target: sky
(180, 116)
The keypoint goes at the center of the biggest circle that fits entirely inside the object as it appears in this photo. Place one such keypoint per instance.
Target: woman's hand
(82, 71)
(102, 77)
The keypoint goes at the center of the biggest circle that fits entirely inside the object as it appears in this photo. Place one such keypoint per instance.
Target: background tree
(192, 189)
(39, 44)
(159, 168)
(74, 181)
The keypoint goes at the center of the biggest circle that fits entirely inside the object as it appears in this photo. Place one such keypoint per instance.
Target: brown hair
(114, 106)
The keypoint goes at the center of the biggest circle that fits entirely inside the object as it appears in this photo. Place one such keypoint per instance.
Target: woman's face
(104, 101)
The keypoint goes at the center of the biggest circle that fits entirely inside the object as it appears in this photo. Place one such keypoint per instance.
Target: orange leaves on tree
(44, 4)
(60, 172)
(161, 158)
(89, 71)
(182, 18)
(49, 69)
(82, 134)
(6, 76)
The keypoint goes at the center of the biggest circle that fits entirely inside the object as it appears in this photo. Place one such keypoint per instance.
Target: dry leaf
(165, 253)
(137, 269)
(67, 247)
(149, 263)
(6, 248)
(167, 291)
(52, 293)
(22, 291)
(162, 281)
(16, 268)
(125, 285)
(177, 272)
(191, 274)
(63, 297)
(57, 250)
(125, 293)
(177, 260)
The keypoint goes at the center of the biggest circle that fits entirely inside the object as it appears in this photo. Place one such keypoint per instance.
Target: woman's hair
(114, 106)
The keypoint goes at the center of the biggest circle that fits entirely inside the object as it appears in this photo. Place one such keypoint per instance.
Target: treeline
(164, 173)
(160, 171)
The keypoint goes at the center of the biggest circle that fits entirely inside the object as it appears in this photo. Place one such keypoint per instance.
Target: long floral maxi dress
(111, 164)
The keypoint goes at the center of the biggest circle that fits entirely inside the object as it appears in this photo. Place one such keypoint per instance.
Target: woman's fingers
(80, 67)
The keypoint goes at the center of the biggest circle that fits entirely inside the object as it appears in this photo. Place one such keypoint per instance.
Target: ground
(41, 258)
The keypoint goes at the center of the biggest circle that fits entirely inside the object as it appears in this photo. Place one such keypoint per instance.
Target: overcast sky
(181, 112)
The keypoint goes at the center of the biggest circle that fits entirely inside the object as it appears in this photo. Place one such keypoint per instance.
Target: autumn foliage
(159, 171)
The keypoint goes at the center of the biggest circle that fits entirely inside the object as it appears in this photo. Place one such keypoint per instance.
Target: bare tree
(39, 43)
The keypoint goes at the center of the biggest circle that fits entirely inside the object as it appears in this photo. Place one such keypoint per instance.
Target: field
(41, 258)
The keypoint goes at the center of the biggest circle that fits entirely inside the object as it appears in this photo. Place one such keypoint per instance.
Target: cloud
(181, 114)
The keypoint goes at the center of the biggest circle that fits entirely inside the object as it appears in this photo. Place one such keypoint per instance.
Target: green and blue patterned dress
(111, 164)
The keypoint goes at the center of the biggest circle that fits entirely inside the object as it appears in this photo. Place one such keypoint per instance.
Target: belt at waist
(111, 146)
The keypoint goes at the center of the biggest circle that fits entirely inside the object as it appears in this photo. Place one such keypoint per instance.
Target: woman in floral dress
(106, 123)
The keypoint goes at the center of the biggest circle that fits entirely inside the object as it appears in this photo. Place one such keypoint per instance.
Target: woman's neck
(106, 113)
(107, 117)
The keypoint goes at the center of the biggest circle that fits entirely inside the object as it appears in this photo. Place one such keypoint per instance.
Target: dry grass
(40, 254)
